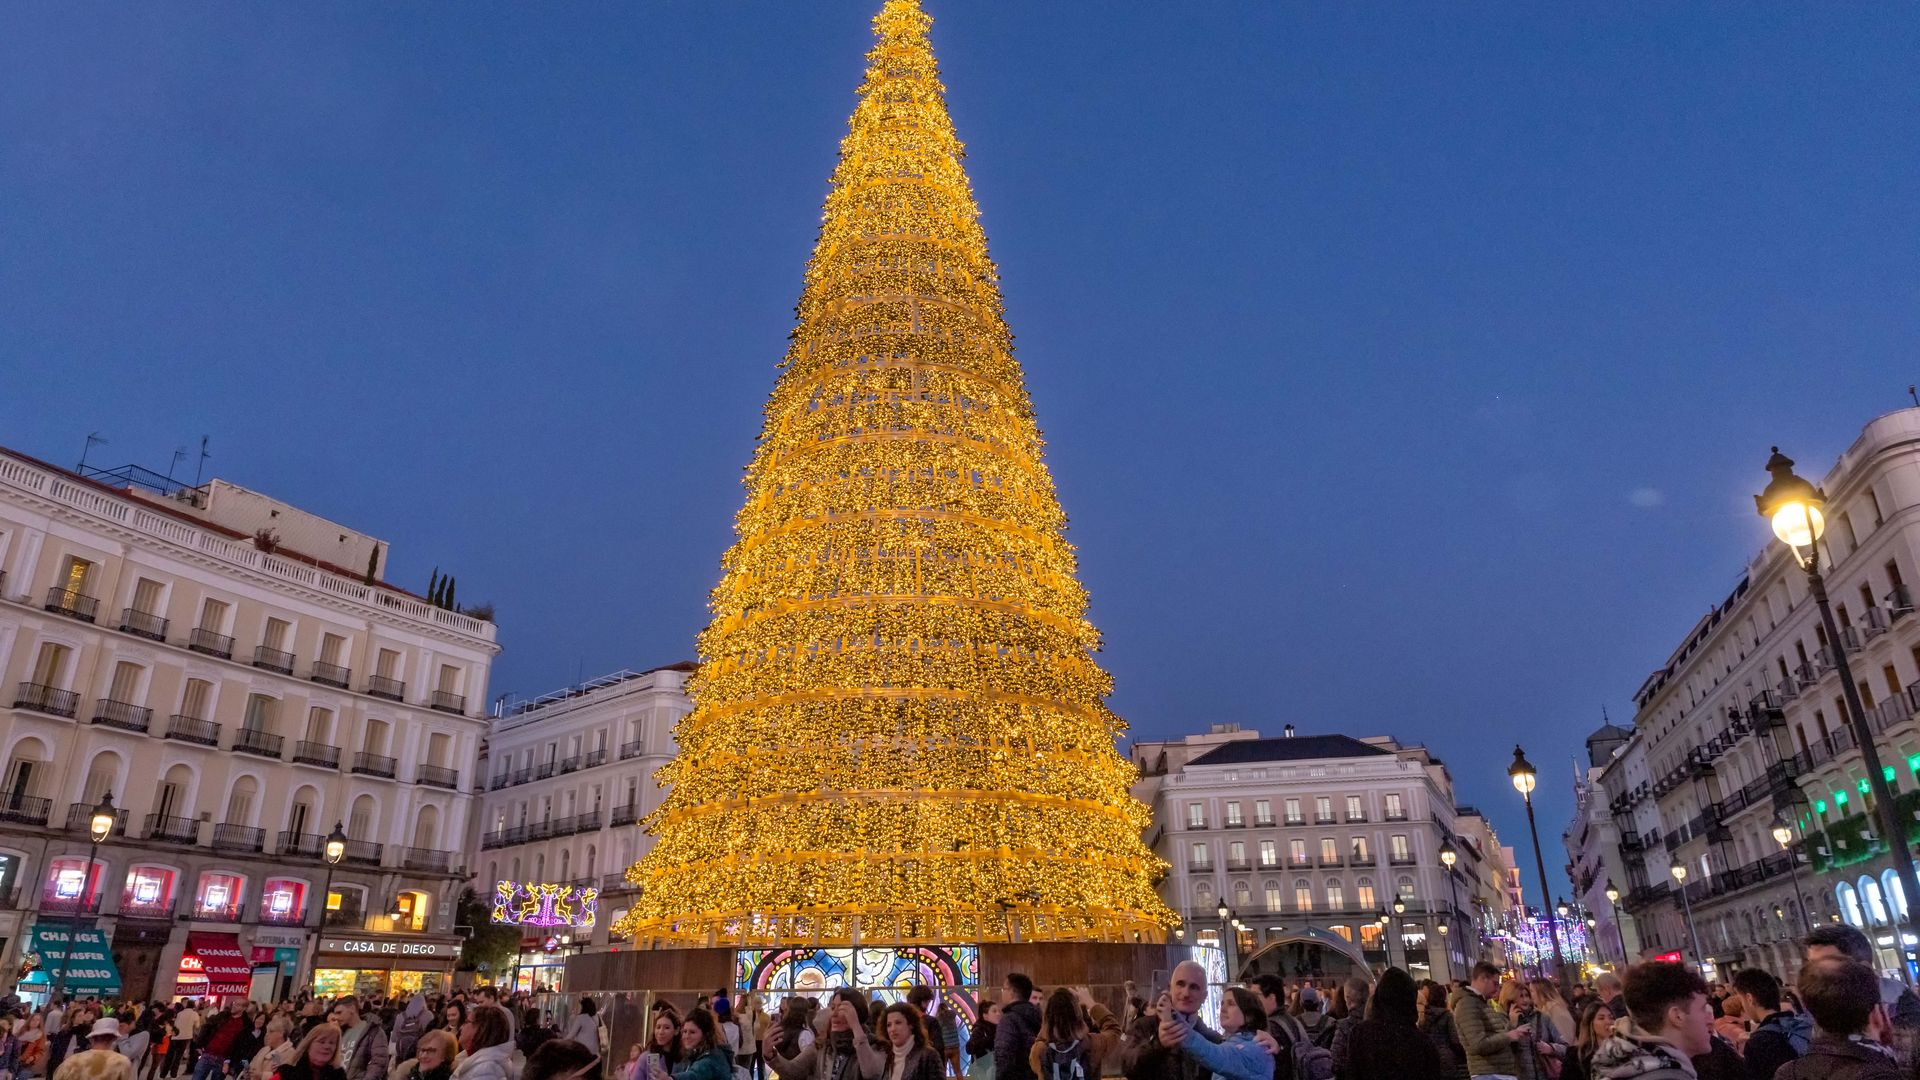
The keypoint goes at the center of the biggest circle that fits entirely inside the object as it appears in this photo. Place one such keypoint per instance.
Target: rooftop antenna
(178, 453)
(202, 467)
(1914, 394)
(93, 438)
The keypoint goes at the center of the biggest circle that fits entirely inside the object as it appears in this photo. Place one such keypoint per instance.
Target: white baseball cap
(104, 1027)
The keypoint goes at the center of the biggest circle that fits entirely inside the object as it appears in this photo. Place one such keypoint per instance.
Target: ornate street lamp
(1524, 777)
(1230, 937)
(1448, 856)
(1783, 835)
(1794, 508)
(1619, 927)
(99, 827)
(1679, 871)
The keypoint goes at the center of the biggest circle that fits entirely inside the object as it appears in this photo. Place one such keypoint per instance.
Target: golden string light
(899, 733)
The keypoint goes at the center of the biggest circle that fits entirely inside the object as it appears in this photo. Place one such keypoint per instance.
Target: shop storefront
(276, 962)
(390, 965)
(78, 957)
(212, 966)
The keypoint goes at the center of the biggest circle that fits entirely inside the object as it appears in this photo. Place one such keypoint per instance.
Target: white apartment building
(1745, 721)
(1488, 879)
(230, 670)
(1594, 862)
(571, 776)
(1308, 840)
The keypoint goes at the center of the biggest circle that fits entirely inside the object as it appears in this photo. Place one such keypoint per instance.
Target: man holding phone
(1162, 1058)
(1487, 1034)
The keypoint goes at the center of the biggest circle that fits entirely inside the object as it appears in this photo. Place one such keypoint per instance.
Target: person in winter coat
(910, 1051)
(1019, 1026)
(1668, 1023)
(584, 1028)
(1170, 1054)
(1389, 1044)
(1354, 993)
(317, 1057)
(409, 1025)
(702, 1055)
(433, 1055)
(1778, 1036)
(1436, 1023)
(1594, 1027)
(1487, 1033)
(487, 1041)
(1850, 1022)
(1239, 1056)
(1840, 941)
(980, 1042)
(840, 1050)
(363, 1042)
(1063, 1050)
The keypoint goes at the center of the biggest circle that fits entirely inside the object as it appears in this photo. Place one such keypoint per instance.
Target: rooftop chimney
(1289, 731)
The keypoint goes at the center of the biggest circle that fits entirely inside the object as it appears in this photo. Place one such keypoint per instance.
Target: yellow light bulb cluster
(899, 733)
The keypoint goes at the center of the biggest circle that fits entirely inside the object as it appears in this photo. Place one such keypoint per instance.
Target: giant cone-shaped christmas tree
(899, 734)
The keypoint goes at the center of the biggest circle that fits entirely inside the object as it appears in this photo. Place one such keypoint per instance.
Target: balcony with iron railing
(1394, 815)
(544, 770)
(80, 819)
(143, 624)
(1332, 860)
(616, 883)
(632, 749)
(20, 808)
(203, 640)
(438, 776)
(301, 845)
(448, 702)
(382, 687)
(123, 715)
(364, 852)
(626, 814)
(1300, 862)
(1238, 865)
(72, 603)
(70, 906)
(228, 837)
(283, 918)
(1400, 858)
(316, 753)
(571, 764)
(1356, 819)
(272, 659)
(46, 699)
(596, 758)
(428, 859)
(588, 822)
(193, 729)
(1327, 819)
(330, 675)
(173, 830)
(375, 765)
(256, 741)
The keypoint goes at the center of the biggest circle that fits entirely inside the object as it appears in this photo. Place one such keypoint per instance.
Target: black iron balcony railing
(596, 757)
(632, 749)
(414, 858)
(21, 808)
(255, 741)
(202, 640)
(588, 822)
(143, 624)
(363, 852)
(330, 674)
(1332, 860)
(72, 604)
(47, 699)
(173, 830)
(446, 701)
(80, 819)
(1295, 820)
(303, 845)
(382, 687)
(626, 815)
(238, 838)
(1239, 864)
(571, 764)
(1354, 818)
(1394, 815)
(1299, 862)
(544, 770)
(272, 659)
(438, 776)
(374, 765)
(193, 729)
(315, 753)
(283, 918)
(123, 715)
(1323, 819)
(1400, 859)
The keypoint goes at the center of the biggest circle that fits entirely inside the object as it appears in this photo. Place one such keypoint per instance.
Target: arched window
(566, 865)
(426, 829)
(1336, 895)
(1876, 903)
(360, 821)
(103, 779)
(303, 817)
(175, 797)
(27, 772)
(240, 801)
(1303, 894)
(1274, 900)
(1404, 888)
(1363, 897)
(1242, 895)
(1891, 888)
(1849, 904)
(591, 868)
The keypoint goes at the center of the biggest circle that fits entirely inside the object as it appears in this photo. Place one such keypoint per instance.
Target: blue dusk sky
(1404, 368)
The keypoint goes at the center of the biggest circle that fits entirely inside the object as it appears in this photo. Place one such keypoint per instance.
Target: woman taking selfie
(840, 1050)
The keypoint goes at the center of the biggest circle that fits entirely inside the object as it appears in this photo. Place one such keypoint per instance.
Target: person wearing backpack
(1388, 1044)
(1063, 1050)
(1781, 1036)
(1298, 1058)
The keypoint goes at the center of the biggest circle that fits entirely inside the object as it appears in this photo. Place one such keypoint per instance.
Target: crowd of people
(1654, 1021)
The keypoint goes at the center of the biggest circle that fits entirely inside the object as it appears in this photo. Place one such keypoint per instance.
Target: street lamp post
(1449, 856)
(1385, 923)
(332, 850)
(99, 827)
(1783, 835)
(1792, 506)
(1229, 937)
(1565, 913)
(1399, 909)
(1619, 928)
(1679, 871)
(1524, 778)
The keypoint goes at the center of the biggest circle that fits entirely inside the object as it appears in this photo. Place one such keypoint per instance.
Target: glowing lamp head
(1613, 893)
(1563, 909)
(1679, 871)
(336, 848)
(1223, 911)
(1522, 773)
(1399, 907)
(1782, 832)
(1448, 856)
(100, 826)
(1793, 507)
(1443, 929)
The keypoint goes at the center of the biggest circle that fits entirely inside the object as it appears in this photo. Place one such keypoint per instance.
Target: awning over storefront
(79, 957)
(215, 959)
